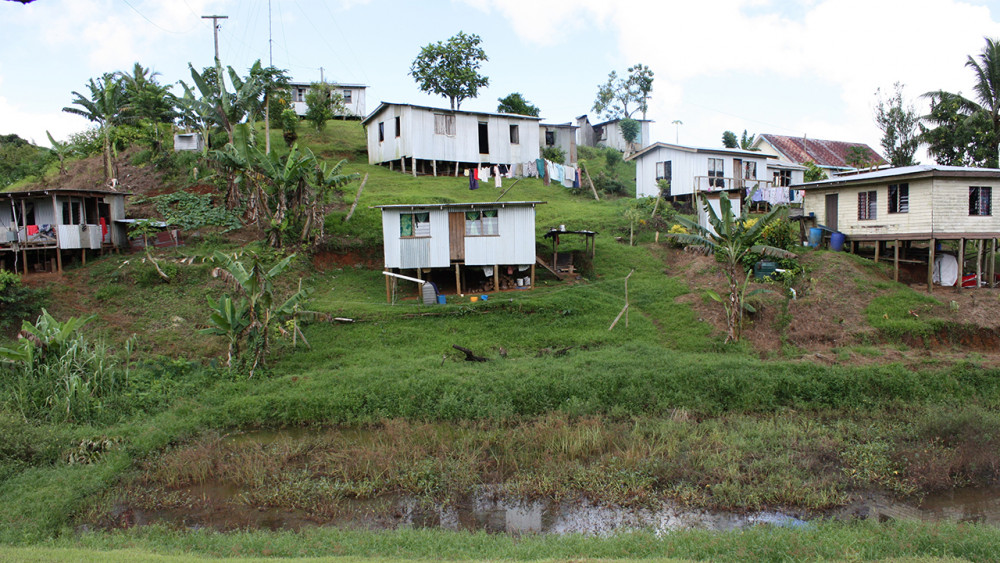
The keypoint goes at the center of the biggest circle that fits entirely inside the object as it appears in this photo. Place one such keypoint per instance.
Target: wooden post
(24, 255)
(626, 297)
(961, 264)
(456, 168)
(413, 165)
(895, 261)
(930, 266)
(83, 256)
(496, 277)
(878, 247)
(402, 163)
(532, 274)
(388, 291)
(56, 229)
(434, 165)
(458, 281)
(991, 267)
(979, 263)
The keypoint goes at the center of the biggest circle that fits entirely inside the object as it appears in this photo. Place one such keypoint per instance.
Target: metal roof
(733, 152)
(384, 105)
(904, 172)
(459, 205)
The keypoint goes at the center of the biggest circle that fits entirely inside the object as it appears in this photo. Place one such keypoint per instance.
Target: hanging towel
(540, 165)
(496, 181)
(576, 179)
(32, 230)
(474, 179)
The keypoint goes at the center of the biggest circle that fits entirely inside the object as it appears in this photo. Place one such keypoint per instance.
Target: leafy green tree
(729, 140)
(745, 142)
(149, 102)
(630, 132)
(622, 97)
(955, 138)
(107, 106)
(249, 320)
(858, 157)
(61, 150)
(813, 172)
(289, 126)
(322, 104)
(982, 116)
(732, 239)
(20, 159)
(515, 103)
(216, 106)
(451, 69)
(898, 122)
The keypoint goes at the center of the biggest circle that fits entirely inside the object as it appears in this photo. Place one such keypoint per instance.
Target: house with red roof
(834, 157)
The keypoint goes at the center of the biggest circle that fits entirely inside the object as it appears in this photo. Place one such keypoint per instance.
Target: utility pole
(267, 93)
(321, 74)
(215, 30)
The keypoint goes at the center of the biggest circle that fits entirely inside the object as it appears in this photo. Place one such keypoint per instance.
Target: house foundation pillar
(961, 264)
(930, 265)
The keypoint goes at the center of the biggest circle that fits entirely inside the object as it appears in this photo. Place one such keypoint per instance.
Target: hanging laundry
(540, 165)
(474, 179)
(576, 179)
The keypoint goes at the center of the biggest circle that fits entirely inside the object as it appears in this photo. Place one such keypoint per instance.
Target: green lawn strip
(827, 541)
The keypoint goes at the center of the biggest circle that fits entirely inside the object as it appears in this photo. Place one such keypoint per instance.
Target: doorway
(456, 235)
(831, 211)
(484, 138)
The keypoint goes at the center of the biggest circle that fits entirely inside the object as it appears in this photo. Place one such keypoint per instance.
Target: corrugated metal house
(353, 94)
(451, 239)
(608, 133)
(440, 141)
(50, 221)
(562, 135)
(910, 204)
(693, 169)
(188, 142)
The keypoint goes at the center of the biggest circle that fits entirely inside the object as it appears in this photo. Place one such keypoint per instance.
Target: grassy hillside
(658, 409)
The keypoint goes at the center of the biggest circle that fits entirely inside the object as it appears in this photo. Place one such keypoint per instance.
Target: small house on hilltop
(38, 225)
(353, 95)
(689, 170)
(608, 133)
(912, 208)
(834, 157)
(462, 247)
(437, 141)
(561, 135)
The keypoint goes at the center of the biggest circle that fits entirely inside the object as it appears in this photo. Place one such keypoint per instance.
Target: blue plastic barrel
(815, 237)
(442, 299)
(837, 241)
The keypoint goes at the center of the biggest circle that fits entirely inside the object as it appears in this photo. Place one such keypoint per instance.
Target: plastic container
(442, 300)
(764, 269)
(815, 237)
(474, 298)
(837, 241)
(485, 297)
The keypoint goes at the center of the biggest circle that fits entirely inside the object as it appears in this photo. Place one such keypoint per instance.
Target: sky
(788, 67)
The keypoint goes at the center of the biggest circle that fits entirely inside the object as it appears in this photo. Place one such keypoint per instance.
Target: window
(663, 170)
(515, 135)
(867, 205)
(482, 223)
(300, 94)
(71, 213)
(899, 198)
(347, 96)
(749, 170)
(381, 131)
(444, 124)
(716, 172)
(980, 200)
(782, 178)
(414, 225)
(550, 138)
(397, 126)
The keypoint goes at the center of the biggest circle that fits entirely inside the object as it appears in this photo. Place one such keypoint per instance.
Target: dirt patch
(328, 259)
(826, 317)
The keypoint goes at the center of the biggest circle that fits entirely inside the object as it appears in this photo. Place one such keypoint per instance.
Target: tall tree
(148, 100)
(515, 103)
(451, 69)
(322, 103)
(898, 122)
(106, 106)
(619, 98)
(745, 141)
(729, 140)
(985, 110)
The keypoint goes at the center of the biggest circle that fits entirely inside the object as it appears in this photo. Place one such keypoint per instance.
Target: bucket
(485, 297)
(474, 298)
(520, 282)
(837, 241)
(442, 300)
(815, 237)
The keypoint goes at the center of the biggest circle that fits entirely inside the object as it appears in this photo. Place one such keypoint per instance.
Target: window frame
(346, 93)
(479, 227)
(515, 134)
(899, 198)
(868, 205)
(424, 232)
(399, 127)
(782, 178)
(381, 131)
(550, 138)
(978, 192)
(716, 172)
(444, 124)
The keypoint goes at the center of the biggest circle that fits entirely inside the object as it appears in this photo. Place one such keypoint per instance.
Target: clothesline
(567, 175)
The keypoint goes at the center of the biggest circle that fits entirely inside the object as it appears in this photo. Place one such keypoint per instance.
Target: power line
(134, 9)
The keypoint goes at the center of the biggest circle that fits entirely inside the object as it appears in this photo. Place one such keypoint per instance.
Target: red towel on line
(32, 230)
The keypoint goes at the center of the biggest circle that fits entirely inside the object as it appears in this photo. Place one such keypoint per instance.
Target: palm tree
(149, 100)
(731, 239)
(105, 106)
(987, 88)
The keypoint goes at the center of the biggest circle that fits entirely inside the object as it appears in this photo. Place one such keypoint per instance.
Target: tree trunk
(109, 172)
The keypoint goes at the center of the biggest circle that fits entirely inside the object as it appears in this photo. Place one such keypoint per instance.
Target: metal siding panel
(44, 212)
(69, 236)
(951, 207)
(439, 253)
(390, 238)
(414, 252)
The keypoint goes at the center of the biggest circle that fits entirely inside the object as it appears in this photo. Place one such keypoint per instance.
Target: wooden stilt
(496, 277)
(961, 264)
(979, 263)
(930, 266)
(456, 168)
(413, 166)
(878, 248)
(388, 290)
(402, 164)
(24, 255)
(434, 165)
(458, 281)
(83, 256)
(895, 261)
(532, 274)
(991, 267)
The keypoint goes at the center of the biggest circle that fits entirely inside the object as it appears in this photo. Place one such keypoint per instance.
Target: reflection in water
(963, 505)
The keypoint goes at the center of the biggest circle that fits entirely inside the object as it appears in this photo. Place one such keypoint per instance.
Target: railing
(719, 183)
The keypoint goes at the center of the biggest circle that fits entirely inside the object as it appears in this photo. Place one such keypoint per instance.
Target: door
(738, 173)
(484, 138)
(456, 236)
(831, 211)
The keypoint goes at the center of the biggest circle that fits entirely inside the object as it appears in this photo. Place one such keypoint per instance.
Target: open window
(867, 205)
(414, 225)
(899, 198)
(482, 223)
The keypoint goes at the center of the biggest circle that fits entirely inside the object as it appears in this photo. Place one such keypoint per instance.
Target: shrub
(191, 211)
(610, 184)
(17, 300)
(554, 154)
